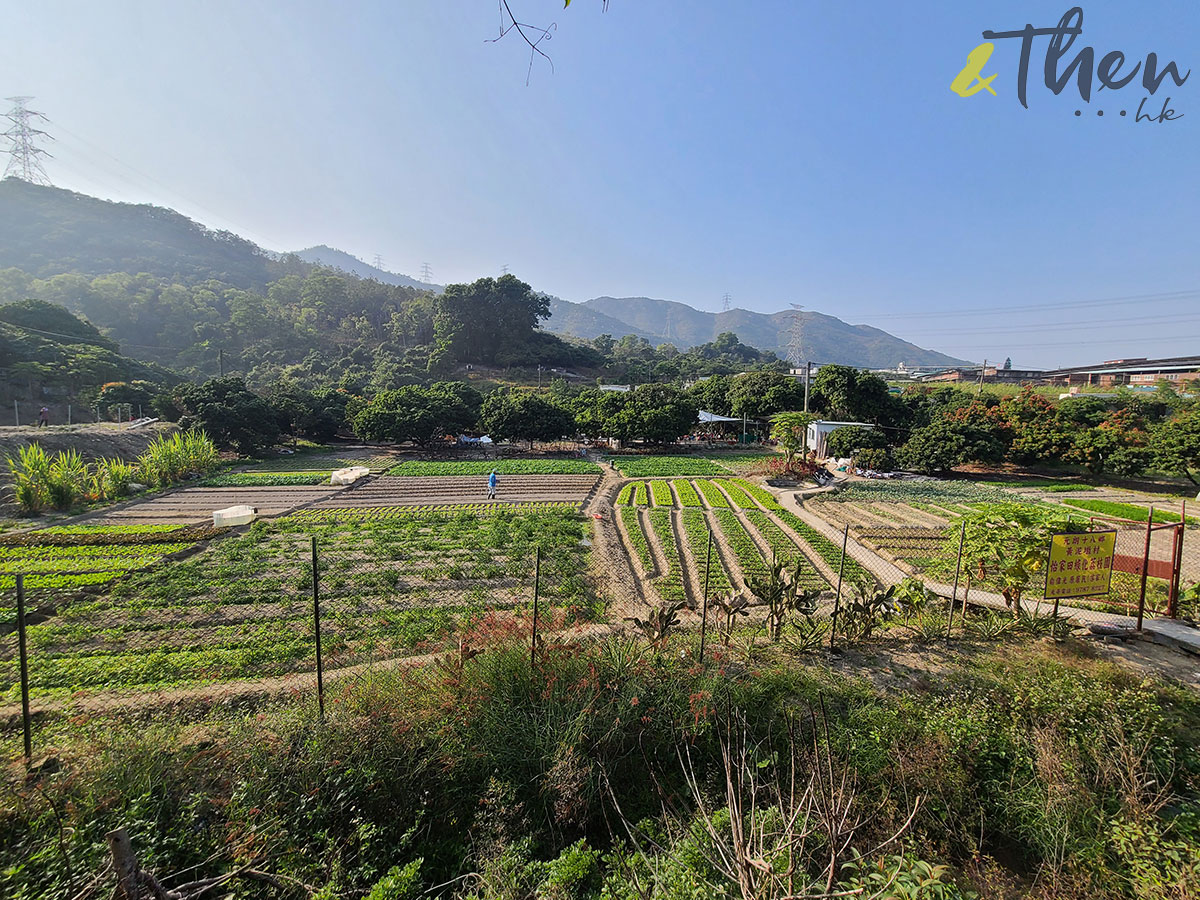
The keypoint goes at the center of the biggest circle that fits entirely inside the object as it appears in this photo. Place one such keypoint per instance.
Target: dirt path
(616, 566)
(692, 571)
(725, 554)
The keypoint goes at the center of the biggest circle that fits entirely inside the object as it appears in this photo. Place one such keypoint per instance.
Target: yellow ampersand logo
(968, 82)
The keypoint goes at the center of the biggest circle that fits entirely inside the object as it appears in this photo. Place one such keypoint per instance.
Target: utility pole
(981, 368)
(221, 362)
(807, 379)
(24, 157)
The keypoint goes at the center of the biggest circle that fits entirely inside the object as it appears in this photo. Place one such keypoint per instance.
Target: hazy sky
(799, 151)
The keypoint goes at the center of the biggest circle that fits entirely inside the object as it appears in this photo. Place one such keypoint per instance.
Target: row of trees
(240, 419)
(1125, 436)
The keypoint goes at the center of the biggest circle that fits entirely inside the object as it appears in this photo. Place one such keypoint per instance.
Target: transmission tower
(426, 273)
(796, 336)
(725, 301)
(504, 269)
(378, 261)
(24, 158)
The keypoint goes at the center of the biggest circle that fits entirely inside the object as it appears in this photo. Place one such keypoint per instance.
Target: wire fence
(154, 617)
(188, 618)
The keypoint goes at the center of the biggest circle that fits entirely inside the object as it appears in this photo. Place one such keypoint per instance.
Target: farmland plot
(242, 609)
(748, 525)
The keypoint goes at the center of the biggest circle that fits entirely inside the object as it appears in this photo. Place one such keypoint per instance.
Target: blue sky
(801, 151)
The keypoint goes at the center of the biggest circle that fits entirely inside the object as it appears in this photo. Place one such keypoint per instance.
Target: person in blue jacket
(492, 482)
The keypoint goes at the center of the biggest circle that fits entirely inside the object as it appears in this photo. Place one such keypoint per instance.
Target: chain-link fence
(123, 621)
(137, 617)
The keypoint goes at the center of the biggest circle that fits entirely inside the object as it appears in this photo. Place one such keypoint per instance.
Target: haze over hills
(827, 339)
(322, 255)
(47, 232)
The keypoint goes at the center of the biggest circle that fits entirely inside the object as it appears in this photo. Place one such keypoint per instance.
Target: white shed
(819, 431)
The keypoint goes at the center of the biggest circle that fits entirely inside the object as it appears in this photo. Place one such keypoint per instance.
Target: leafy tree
(663, 413)
(419, 414)
(712, 394)
(1007, 545)
(475, 322)
(790, 431)
(942, 445)
(763, 393)
(232, 416)
(653, 412)
(521, 415)
(1038, 434)
(846, 394)
(311, 414)
(1176, 445)
(1118, 445)
(845, 442)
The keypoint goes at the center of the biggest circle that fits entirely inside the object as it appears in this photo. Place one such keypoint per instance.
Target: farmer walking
(43, 417)
(492, 482)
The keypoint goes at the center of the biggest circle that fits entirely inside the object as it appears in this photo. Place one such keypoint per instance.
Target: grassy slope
(496, 769)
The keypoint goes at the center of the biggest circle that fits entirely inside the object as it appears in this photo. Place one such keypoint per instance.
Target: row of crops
(419, 467)
(634, 466)
(68, 558)
(744, 542)
(425, 510)
(242, 607)
(714, 493)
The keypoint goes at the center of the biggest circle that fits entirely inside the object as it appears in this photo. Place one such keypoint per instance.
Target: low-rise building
(1134, 371)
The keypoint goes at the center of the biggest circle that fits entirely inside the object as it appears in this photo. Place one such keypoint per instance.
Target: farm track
(247, 691)
(194, 505)
(618, 566)
(725, 553)
(692, 577)
(661, 563)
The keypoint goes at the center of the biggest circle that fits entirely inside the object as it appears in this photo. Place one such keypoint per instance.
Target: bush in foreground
(605, 771)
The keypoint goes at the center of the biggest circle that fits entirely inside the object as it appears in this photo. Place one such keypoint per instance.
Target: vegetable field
(123, 617)
(418, 467)
(665, 525)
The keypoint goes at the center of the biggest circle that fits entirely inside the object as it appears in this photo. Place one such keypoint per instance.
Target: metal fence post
(21, 651)
(537, 579)
(837, 598)
(704, 606)
(317, 629)
(962, 537)
(1145, 568)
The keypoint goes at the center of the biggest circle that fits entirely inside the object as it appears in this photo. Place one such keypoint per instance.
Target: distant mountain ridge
(47, 231)
(827, 339)
(321, 255)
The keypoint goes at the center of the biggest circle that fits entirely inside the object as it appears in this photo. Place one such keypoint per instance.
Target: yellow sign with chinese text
(1080, 565)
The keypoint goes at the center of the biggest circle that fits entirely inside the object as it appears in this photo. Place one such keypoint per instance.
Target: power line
(1003, 309)
(24, 156)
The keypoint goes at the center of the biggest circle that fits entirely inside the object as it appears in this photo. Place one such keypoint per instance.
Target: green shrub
(30, 470)
(878, 459)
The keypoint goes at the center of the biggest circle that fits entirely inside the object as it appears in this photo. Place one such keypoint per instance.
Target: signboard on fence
(1080, 564)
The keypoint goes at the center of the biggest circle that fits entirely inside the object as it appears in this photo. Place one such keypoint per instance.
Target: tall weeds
(30, 470)
(61, 480)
